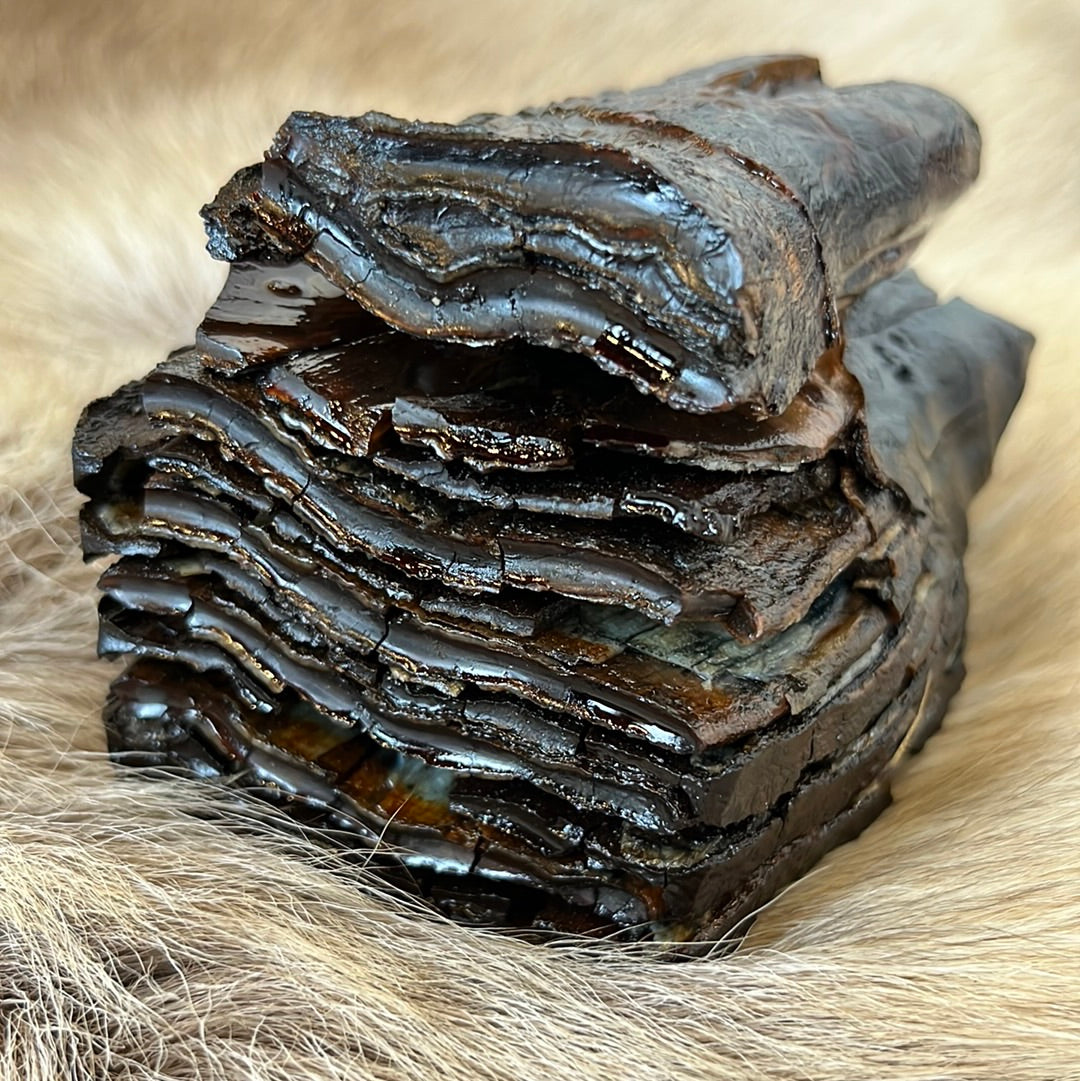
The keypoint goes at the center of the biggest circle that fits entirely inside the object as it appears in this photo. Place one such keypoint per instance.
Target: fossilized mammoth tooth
(614, 647)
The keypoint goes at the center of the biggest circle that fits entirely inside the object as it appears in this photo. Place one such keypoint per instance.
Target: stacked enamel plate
(569, 506)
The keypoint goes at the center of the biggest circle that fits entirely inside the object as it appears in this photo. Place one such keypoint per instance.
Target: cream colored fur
(139, 942)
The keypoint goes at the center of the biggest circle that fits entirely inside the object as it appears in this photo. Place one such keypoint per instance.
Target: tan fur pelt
(138, 941)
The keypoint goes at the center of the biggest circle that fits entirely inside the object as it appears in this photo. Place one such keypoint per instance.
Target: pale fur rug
(138, 941)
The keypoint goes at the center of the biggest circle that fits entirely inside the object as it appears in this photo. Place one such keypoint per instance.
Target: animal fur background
(138, 941)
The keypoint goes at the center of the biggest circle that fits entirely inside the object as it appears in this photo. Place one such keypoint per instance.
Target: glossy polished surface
(588, 664)
(699, 237)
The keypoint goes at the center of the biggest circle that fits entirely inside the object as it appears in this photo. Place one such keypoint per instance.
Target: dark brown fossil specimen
(583, 660)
